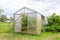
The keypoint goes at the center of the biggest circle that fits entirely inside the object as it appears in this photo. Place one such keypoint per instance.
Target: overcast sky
(45, 7)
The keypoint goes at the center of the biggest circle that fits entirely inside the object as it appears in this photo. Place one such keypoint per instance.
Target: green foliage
(5, 27)
(51, 28)
(3, 18)
(53, 23)
(53, 19)
(24, 22)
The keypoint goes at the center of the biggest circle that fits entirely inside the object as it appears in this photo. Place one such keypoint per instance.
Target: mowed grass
(7, 33)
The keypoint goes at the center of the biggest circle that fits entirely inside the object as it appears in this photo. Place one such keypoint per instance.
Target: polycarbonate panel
(29, 11)
(32, 22)
(20, 11)
(38, 23)
(17, 27)
(17, 23)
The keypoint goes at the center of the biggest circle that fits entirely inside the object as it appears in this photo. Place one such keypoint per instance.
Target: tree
(54, 19)
(0, 13)
(53, 23)
(3, 18)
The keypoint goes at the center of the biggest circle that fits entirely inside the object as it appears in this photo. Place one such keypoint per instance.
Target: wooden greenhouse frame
(32, 21)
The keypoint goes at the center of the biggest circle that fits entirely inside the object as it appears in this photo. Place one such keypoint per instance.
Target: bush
(53, 28)
(53, 23)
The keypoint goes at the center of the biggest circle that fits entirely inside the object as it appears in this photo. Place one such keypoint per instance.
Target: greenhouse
(28, 21)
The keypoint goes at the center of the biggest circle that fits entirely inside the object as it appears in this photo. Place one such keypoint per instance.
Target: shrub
(53, 23)
(53, 28)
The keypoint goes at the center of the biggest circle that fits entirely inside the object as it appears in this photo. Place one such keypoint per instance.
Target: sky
(45, 7)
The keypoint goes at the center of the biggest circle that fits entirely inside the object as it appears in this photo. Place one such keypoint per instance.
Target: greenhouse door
(24, 23)
(17, 21)
(32, 23)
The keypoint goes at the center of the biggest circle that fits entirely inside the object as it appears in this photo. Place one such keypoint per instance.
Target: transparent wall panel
(17, 23)
(29, 11)
(20, 11)
(32, 23)
(38, 23)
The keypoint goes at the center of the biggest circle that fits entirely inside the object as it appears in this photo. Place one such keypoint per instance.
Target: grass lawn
(6, 33)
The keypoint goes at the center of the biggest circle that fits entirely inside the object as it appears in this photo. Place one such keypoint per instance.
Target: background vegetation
(49, 32)
(53, 23)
